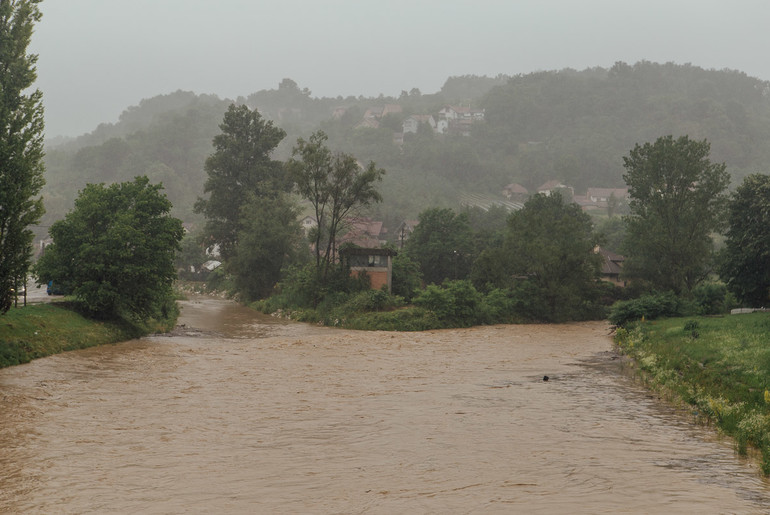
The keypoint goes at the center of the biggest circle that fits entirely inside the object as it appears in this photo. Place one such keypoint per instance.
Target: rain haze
(96, 57)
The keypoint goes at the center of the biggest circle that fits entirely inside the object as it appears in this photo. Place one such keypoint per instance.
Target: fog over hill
(97, 57)
(567, 125)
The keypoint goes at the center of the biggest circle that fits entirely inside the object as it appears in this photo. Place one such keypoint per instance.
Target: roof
(516, 188)
(363, 251)
(548, 186)
(607, 192)
(612, 263)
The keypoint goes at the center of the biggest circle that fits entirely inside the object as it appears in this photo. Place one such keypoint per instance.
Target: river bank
(39, 330)
(719, 367)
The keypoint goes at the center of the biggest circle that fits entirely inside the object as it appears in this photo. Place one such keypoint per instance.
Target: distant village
(460, 120)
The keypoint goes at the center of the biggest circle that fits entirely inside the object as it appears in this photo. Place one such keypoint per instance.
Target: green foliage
(166, 138)
(40, 330)
(335, 185)
(271, 238)
(677, 197)
(21, 146)
(442, 245)
(745, 263)
(499, 307)
(407, 278)
(239, 169)
(116, 249)
(569, 125)
(611, 233)
(456, 303)
(588, 118)
(718, 365)
(302, 287)
(647, 307)
(192, 255)
(549, 249)
(712, 299)
(490, 270)
(407, 319)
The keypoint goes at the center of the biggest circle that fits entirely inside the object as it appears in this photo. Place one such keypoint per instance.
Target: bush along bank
(41, 330)
(720, 366)
(453, 304)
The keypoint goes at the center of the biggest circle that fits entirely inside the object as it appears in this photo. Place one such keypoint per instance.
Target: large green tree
(336, 185)
(745, 263)
(677, 198)
(549, 257)
(115, 250)
(442, 244)
(240, 168)
(270, 239)
(21, 145)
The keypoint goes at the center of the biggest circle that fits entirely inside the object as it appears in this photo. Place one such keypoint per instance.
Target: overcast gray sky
(98, 57)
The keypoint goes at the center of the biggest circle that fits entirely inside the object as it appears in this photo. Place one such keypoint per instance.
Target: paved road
(36, 294)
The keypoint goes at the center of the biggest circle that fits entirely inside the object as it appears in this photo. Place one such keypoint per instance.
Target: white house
(412, 123)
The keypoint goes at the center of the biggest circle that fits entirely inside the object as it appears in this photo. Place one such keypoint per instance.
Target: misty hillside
(573, 126)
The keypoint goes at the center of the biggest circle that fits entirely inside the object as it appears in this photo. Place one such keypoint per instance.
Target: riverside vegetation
(715, 365)
(40, 330)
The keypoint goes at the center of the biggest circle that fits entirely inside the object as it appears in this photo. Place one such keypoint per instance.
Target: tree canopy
(270, 239)
(745, 263)
(335, 185)
(549, 255)
(115, 250)
(21, 146)
(241, 166)
(442, 245)
(677, 197)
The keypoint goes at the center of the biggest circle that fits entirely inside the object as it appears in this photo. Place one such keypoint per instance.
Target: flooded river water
(240, 413)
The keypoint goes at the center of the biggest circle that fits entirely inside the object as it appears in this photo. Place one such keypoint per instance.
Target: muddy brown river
(237, 412)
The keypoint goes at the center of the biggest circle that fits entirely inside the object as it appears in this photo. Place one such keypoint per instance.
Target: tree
(116, 250)
(239, 168)
(745, 265)
(407, 278)
(442, 244)
(677, 197)
(270, 239)
(549, 255)
(335, 185)
(21, 145)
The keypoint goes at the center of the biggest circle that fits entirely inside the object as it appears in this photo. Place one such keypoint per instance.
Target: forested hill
(586, 121)
(573, 126)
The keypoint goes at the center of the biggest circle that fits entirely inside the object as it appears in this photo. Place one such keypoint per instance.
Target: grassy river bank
(39, 330)
(718, 366)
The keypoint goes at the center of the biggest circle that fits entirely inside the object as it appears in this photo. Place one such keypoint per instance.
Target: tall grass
(718, 365)
(40, 330)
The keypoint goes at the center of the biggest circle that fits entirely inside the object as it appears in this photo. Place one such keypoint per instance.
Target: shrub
(407, 319)
(647, 306)
(497, 307)
(457, 302)
(713, 299)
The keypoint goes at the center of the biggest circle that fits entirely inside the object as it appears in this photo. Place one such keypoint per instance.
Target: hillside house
(412, 123)
(612, 266)
(308, 223)
(515, 192)
(603, 195)
(457, 113)
(554, 186)
(363, 232)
